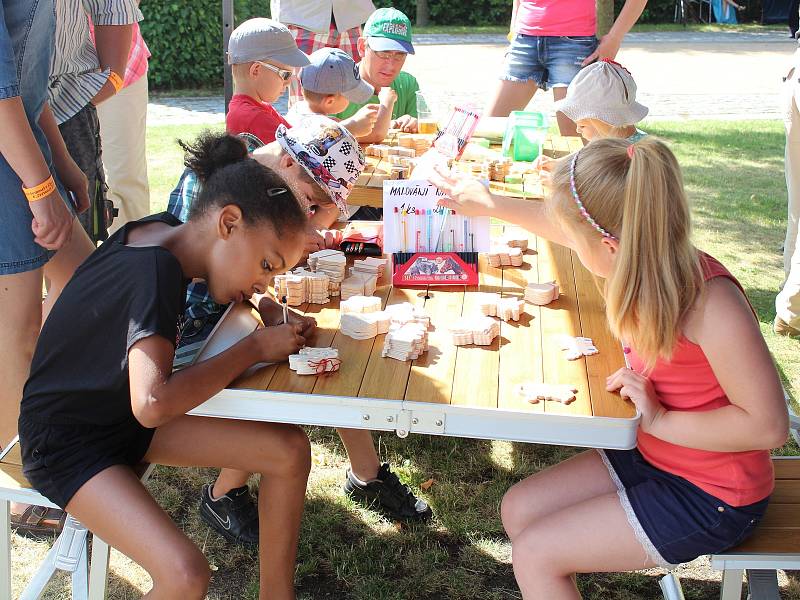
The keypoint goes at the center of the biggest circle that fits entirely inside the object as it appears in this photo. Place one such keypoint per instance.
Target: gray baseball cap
(333, 71)
(264, 39)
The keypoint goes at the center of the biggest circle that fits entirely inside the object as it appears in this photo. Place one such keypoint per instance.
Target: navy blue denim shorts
(549, 61)
(673, 519)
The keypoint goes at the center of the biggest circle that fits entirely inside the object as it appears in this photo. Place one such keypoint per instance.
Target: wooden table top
(371, 193)
(475, 376)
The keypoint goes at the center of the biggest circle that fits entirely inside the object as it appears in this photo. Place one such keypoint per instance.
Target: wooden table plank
(610, 358)
(561, 318)
(431, 377)
(386, 377)
(477, 367)
(521, 341)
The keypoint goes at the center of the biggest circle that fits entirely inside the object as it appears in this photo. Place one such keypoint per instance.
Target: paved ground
(680, 75)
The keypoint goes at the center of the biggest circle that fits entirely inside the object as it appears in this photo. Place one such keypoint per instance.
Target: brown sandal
(39, 520)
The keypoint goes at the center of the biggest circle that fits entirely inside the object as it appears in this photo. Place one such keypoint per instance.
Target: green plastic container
(525, 134)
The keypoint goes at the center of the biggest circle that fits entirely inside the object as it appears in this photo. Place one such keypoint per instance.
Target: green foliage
(457, 12)
(185, 39)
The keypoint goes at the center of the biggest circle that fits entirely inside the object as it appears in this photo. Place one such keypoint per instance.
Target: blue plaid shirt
(199, 303)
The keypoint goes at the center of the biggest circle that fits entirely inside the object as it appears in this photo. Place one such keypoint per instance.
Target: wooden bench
(774, 545)
(70, 549)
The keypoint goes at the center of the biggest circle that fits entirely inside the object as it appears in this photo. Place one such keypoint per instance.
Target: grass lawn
(734, 174)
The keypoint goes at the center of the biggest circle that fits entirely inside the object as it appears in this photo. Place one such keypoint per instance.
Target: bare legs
(566, 126)
(566, 520)
(280, 453)
(360, 448)
(515, 95)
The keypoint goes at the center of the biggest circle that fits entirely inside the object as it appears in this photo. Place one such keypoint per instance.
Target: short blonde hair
(640, 200)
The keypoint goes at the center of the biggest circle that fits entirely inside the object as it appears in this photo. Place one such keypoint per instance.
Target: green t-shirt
(406, 87)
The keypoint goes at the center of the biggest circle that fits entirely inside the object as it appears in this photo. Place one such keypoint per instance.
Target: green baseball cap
(389, 29)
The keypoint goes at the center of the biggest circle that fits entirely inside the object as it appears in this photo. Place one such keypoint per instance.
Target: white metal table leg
(5, 548)
(98, 569)
(671, 587)
(731, 584)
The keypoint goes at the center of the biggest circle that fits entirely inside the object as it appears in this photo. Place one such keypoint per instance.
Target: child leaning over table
(700, 478)
(228, 500)
(103, 397)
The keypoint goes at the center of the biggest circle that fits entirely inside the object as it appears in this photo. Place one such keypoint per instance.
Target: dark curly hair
(230, 176)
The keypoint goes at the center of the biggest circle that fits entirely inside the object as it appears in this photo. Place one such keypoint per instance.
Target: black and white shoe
(387, 494)
(234, 515)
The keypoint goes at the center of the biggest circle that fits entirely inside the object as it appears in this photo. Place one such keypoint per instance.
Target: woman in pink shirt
(701, 377)
(552, 40)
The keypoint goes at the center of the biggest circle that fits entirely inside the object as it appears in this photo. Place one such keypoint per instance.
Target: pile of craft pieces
(541, 293)
(576, 347)
(362, 319)
(358, 284)
(333, 264)
(315, 361)
(303, 286)
(405, 341)
(360, 304)
(479, 330)
(516, 241)
(370, 265)
(537, 392)
(505, 256)
(507, 309)
(364, 326)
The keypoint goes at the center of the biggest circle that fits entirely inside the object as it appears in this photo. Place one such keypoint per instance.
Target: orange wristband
(116, 81)
(40, 191)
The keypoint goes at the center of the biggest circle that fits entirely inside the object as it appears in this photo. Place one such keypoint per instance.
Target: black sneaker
(234, 515)
(388, 494)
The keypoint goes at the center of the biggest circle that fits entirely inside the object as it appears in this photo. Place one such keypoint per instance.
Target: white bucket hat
(606, 91)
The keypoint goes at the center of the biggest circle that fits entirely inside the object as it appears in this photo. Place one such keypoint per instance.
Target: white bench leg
(5, 549)
(731, 584)
(671, 587)
(98, 569)
(67, 554)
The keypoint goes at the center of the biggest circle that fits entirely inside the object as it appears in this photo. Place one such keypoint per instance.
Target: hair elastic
(630, 150)
(584, 212)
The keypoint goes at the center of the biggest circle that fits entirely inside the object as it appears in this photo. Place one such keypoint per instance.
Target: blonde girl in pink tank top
(709, 396)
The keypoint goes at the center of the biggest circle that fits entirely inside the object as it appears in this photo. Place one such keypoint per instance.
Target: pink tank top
(556, 17)
(687, 382)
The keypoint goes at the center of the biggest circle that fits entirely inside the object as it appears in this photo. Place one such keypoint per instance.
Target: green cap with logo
(388, 29)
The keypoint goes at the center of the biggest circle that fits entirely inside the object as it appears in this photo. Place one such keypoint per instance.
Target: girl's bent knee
(294, 454)
(188, 576)
(512, 512)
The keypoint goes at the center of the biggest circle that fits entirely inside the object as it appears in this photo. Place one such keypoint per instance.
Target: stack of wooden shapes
(405, 312)
(333, 264)
(371, 265)
(419, 143)
(360, 305)
(516, 241)
(505, 256)
(364, 326)
(492, 305)
(405, 342)
(315, 361)
(303, 286)
(358, 284)
(479, 330)
(541, 293)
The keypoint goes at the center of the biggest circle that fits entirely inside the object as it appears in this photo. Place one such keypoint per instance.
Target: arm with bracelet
(113, 33)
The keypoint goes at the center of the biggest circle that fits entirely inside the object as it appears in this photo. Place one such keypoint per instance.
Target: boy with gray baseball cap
(330, 82)
(262, 53)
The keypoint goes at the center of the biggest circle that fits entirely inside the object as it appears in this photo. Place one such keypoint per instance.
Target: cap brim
(633, 115)
(292, 57)
(382, 44)
(361, 93)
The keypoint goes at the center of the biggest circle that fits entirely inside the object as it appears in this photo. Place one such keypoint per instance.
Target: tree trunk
(423, 14)
(605, 16)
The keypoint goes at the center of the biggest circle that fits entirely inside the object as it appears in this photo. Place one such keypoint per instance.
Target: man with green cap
(383, 49)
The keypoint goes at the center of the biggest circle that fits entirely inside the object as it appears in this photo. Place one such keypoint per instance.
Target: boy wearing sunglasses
(261, 53)
(383, 48)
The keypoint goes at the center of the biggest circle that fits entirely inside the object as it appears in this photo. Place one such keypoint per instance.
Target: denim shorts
(549, 61)
(25, 48)
(673, 519)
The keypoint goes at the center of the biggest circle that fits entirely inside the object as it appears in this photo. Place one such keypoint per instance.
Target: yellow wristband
(44, 189)
(116, 81)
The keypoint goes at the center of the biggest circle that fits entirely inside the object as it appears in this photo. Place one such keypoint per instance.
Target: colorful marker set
(433, 230)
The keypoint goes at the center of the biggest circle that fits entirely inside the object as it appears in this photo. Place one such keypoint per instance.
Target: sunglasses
(284, 74)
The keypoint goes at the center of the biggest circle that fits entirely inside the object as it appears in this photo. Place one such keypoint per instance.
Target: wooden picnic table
(370, 193)
(466, 391)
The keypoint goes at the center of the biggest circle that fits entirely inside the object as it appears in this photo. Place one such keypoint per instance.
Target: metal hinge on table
(404, 421)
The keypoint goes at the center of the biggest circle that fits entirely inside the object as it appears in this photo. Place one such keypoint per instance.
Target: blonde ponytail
(637, 195)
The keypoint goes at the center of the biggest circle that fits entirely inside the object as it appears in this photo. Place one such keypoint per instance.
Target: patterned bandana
(328, 152)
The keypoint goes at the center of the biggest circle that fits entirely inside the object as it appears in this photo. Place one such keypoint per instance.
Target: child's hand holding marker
(277, 343)
(468, 196)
